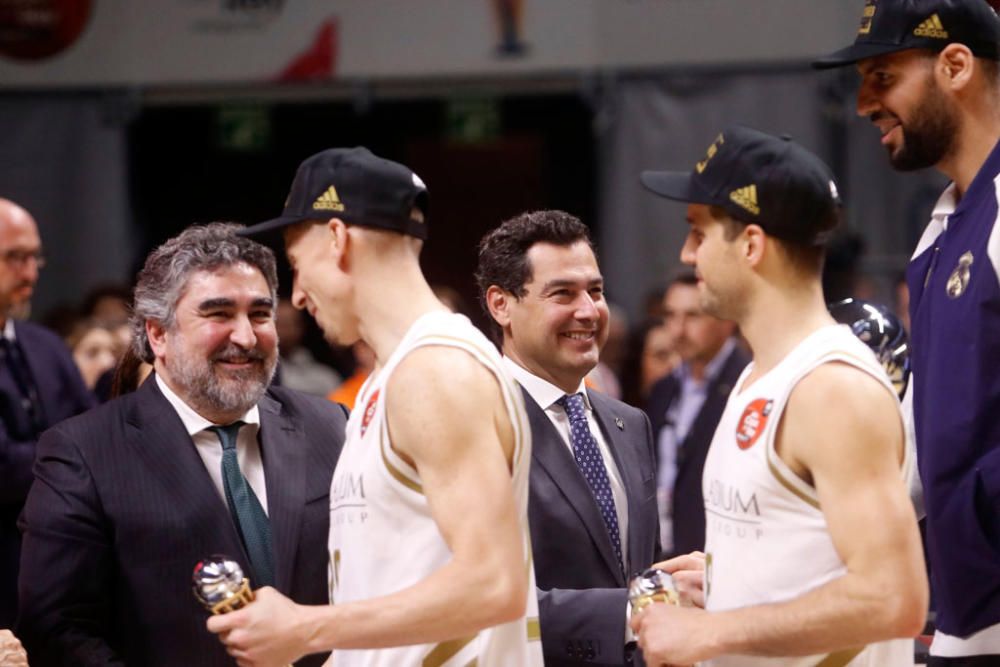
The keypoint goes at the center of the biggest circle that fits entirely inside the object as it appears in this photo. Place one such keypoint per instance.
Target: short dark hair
(503, 252)
(991, 70)
(807, 259)
(164, 277)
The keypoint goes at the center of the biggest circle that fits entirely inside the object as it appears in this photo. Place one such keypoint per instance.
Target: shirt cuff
(629, 635)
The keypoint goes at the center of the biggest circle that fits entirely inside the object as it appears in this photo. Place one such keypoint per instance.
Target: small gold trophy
(651, 586)
(219, 584)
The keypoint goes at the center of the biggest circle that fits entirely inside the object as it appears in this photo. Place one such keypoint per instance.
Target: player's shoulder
(841, 401)
(439, 370)
(840, 386)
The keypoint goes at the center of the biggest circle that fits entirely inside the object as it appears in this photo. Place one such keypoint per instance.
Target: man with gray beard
(204, 458)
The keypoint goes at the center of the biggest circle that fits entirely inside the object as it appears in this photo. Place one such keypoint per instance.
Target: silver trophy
(878, 328)
(219, 584)
(651, 586)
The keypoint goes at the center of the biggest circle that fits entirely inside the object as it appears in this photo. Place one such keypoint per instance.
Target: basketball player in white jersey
(812, 555)
(429, 549)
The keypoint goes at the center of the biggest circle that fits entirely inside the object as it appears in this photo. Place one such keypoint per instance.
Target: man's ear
(954, 66)
(498, 301)
(339, 241)
(157, 335)
(754, 244)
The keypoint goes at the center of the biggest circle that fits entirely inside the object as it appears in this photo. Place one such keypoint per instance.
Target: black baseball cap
(358, 187)
(761, 179)
(896, 25)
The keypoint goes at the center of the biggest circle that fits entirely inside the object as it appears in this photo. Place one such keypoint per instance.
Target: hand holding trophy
(219, 584)
(651, 586)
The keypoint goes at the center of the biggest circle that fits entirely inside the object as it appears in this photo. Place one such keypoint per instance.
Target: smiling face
(319, 286)
(901, 97)
(220, 353)
(557, 328)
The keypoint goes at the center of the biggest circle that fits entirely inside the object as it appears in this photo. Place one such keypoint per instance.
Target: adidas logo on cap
(746, 198)
(932, 27)
(328, 201)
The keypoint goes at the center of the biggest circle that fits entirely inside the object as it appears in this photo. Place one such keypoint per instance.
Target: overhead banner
(86, 43)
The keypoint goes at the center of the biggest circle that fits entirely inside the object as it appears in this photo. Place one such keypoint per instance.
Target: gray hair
(163, 279)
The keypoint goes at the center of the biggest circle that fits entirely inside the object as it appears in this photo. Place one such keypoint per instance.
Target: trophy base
(240, 598)
(641, 602)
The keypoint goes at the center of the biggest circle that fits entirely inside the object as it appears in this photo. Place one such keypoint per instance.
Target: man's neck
(697, 370)
(567, 385)
(388, 308)
(975, 142)
(778, 321)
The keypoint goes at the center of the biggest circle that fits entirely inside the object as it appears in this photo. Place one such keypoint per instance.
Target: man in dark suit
(39, 386)
(201, 459)
(685, 408)
(592, 505)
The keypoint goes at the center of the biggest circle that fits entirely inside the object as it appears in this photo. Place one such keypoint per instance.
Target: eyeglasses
(20, 258)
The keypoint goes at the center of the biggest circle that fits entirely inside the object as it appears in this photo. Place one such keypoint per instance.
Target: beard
(720, 303)
(929, 136)
(216, 389)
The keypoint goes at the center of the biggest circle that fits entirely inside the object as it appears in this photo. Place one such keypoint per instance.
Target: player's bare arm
(841, 432)
(446, 417)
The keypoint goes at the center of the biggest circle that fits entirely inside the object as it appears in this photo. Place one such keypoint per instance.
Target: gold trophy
(219, 584)
(651, 586)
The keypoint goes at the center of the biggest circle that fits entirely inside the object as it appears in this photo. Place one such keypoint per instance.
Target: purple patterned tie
(591, 463)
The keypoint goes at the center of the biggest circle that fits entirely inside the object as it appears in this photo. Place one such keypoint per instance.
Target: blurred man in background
(685, 407)
(39, 386)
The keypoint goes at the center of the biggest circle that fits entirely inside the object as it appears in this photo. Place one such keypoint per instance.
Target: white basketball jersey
(766, 539)
(382, 535)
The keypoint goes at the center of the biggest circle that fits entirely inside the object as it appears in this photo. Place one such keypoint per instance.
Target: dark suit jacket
(61, 394)
(122, 508)
(582, 593)
(689, 505)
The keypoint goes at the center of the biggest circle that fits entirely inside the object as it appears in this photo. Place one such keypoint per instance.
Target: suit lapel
(285, 474)
(628, 467)
(159, 438)
(553, 456)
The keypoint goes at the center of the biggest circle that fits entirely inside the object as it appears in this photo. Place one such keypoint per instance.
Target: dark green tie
(249, 516)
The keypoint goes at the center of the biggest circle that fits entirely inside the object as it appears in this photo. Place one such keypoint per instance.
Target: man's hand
(671, 635)
(688, 573)
(11, 652)
(271, 630)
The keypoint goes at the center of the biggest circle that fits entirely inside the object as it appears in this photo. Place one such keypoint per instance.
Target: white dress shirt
(546, 395)
(210, 448)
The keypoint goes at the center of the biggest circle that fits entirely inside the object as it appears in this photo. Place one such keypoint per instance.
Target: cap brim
(269, 232)
(856, 52)
(676, 185)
